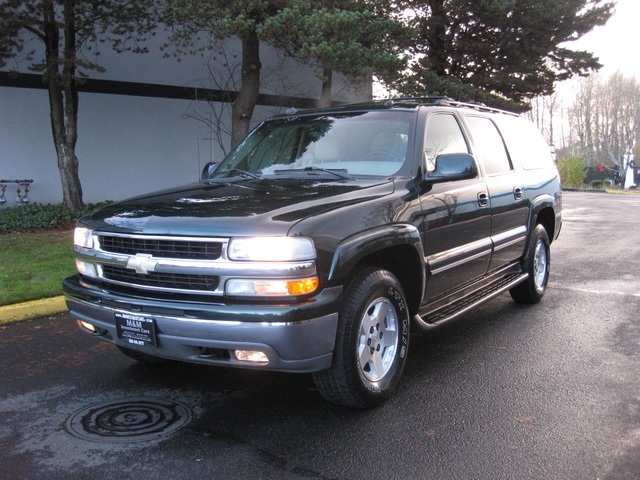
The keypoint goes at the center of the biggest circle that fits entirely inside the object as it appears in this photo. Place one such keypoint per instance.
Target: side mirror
(209, 170)
(453, 166)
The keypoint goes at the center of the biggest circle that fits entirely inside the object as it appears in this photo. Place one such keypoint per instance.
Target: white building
(132, 142)
(631, 172)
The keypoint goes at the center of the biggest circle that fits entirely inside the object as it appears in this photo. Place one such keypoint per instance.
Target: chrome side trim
(510, 237)
(444, 261)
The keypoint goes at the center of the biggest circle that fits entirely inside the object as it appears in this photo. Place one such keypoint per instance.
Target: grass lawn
(33, 264)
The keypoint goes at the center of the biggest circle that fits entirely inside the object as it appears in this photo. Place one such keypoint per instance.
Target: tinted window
(526, 144)
(489, 146)
(443, 135)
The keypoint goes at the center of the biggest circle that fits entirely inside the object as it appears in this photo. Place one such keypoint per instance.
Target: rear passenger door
(456, 221)
(509, 207)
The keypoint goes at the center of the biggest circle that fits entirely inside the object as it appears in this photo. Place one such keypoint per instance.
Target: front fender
(363, 244)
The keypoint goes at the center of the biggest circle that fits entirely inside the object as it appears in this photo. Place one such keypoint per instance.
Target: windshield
(370, 143)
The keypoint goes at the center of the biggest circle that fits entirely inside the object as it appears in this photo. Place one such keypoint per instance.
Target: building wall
(129, 145)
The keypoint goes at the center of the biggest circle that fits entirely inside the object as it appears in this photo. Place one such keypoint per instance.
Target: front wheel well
(405, 263)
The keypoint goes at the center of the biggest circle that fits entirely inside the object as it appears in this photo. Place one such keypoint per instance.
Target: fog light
(254, 356)
(87, 326)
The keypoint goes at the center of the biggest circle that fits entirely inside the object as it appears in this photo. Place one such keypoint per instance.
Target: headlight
(271, 249)
(83, 237)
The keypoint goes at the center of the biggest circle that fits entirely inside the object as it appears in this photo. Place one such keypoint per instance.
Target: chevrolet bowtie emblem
(142, 263)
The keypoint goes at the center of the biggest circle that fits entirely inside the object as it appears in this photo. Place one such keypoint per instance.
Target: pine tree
(497, 50)
(356, 38)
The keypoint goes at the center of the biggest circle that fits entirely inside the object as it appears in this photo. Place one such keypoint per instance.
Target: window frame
(477, 150)
(424, 157)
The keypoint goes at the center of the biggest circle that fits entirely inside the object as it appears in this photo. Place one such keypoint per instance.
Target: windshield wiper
(243, 173)
(338, 172)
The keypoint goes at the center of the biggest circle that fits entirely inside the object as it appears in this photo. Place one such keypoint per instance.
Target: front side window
(363, 143)
(443, 135)
(489, 146)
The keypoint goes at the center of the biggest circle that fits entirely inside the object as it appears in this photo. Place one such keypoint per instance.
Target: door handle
(483, 199)
(517, 193)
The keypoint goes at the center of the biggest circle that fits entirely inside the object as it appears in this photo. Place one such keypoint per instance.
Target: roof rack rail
(408, 102)
(427, 99)
(444, 101)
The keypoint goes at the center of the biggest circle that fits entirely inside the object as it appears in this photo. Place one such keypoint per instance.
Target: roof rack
(435, 100)
(443, 101)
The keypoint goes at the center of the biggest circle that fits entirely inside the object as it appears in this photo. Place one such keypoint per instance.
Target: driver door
(456, 215)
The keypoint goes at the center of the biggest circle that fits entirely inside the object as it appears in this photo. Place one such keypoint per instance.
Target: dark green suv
(323, 240)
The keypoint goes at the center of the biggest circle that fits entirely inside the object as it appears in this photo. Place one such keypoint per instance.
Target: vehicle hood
(255, 207)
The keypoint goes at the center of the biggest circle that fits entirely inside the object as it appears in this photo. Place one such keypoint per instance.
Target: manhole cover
(128, 420)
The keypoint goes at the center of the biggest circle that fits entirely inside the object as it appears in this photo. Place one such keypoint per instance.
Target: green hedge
(36, 216)
(572, 170)
(602, 184)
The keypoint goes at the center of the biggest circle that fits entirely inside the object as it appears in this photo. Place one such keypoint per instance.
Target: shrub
(601, 184)
(572, 170)
(36, 216)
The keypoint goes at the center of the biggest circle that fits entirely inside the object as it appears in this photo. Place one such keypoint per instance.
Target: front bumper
(296, 338)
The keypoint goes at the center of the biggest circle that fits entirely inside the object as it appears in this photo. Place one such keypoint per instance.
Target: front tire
(536, 264)
(372, 342)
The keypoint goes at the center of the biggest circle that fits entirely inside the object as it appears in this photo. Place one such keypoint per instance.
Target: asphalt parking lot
(550, 391)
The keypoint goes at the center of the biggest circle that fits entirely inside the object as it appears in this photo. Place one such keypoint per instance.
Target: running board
(454, 310)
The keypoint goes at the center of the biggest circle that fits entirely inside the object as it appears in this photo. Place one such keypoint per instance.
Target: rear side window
(489, 146)
(526, 144)
(443, 135)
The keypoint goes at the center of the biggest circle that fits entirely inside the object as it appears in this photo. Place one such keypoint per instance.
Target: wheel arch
(396, 248)
(544, 213)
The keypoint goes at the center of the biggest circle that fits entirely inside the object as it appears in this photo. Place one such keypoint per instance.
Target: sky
(615, 43)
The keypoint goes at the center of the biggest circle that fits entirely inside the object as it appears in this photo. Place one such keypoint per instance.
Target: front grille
(171, 281)
(166, 248)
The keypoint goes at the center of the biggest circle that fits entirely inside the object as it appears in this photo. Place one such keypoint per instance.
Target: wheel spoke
(377, 366)
(390, 338)
(380, 312)
(368, 322)
(364, 357)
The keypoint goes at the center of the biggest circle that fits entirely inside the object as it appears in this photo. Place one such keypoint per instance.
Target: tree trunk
(64, 106)
(325, 93)
(437, 38)
(247, 98)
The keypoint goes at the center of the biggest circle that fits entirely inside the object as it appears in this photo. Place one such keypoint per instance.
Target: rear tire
(372, 342)
(536, 263)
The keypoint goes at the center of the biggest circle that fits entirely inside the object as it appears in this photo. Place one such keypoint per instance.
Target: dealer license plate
(136, 329)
